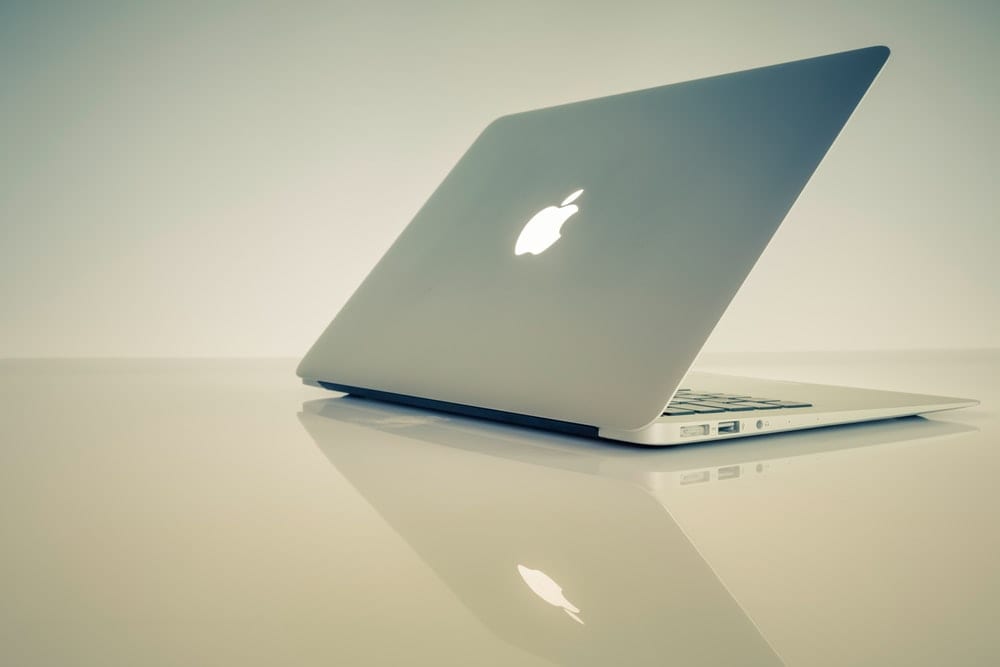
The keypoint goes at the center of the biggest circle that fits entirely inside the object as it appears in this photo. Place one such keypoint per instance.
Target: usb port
(692, 431)
(696, 477)
(729, 472)
(729, 427)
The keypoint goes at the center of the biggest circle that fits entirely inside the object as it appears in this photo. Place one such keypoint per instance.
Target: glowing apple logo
(544, 587)
(543, 229)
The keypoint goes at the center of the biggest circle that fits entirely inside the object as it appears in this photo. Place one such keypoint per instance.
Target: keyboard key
(696, 407)
(673, 412)
(731, 407)
(707, 402)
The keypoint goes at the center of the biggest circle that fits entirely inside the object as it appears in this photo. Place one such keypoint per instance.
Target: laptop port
(729, 472)
(692, 431)
(696, 477)
(729, 427)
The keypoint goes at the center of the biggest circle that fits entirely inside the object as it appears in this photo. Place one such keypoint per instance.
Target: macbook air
(568, 270)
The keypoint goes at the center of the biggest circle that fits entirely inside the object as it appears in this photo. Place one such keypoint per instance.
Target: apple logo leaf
(572, 197)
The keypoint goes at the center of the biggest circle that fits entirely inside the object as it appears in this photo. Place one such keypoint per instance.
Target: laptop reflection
(549, 555)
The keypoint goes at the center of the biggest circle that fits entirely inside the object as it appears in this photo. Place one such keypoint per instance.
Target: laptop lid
(648, 211)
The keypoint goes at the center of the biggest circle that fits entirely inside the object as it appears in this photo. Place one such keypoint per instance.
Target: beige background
(190, 181)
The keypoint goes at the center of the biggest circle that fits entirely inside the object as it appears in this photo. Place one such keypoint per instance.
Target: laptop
(515, 524)
(568, 270)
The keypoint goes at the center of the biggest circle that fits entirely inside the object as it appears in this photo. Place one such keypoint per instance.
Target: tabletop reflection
(562, 546)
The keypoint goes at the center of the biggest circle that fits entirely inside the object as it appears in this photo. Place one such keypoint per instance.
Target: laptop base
(829, 405)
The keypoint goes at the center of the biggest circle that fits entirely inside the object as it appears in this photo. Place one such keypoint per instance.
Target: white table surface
(184, 513)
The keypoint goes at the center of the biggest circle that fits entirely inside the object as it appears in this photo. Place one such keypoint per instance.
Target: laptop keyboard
(688, 402)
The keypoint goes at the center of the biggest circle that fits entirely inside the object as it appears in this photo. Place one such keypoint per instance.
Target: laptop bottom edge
(464, 410)
(668, 431)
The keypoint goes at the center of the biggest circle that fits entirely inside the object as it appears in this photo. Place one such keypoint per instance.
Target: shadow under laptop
(564, 546)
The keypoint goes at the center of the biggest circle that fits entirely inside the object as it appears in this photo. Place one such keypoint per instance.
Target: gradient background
(186, 180)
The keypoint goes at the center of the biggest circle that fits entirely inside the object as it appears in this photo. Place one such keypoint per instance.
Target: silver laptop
(568, 270)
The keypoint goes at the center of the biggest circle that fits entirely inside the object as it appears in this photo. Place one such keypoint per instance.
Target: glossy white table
(195, 513)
